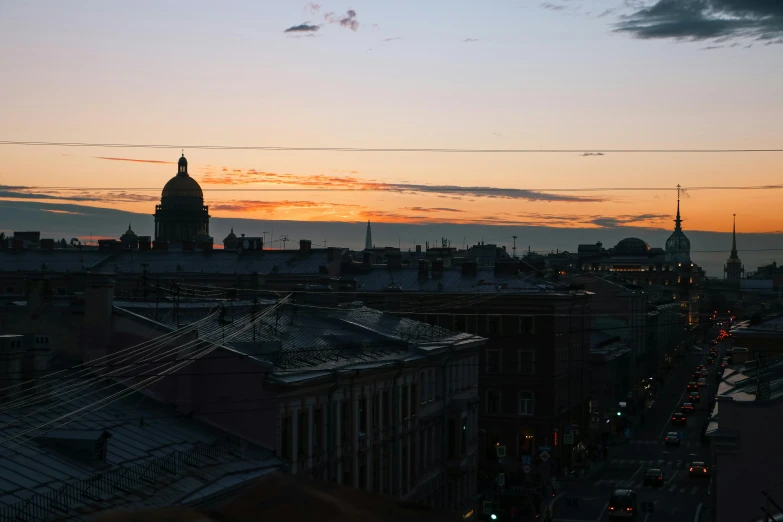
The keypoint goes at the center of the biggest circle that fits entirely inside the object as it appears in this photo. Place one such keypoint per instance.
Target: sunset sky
(565, 74)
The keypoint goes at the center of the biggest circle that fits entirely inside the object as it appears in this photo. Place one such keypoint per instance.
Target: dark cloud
(469, 40)
(592, 154)
(303, 28)
(553, 7)
(135, 160)
(312, 7)
(628, 220)
(348, 20)
(435, 209)
(392, 39)
(698, 20)
(9, 192)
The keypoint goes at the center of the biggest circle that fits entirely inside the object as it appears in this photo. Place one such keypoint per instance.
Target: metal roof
(314, 338)
(485, 280)
(143, 432)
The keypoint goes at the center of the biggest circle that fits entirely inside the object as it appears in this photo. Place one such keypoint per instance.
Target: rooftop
(300, 342)
(153, 455)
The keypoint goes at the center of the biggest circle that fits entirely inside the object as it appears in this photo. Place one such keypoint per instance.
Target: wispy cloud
(276, 206)
(136, 160)
(321, 181)
(80, 195)
(394, 39)
(592, 154)
(347, 20)
(470, 40)
(305, 27)
(695, 20)
(312, 7)
(69, 212)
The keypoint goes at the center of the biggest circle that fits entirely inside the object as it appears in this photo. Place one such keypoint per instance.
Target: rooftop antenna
(514, 248)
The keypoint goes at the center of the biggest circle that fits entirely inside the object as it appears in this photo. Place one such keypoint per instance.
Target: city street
(679, 497)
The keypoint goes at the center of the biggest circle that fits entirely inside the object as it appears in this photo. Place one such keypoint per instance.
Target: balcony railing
(59, 503)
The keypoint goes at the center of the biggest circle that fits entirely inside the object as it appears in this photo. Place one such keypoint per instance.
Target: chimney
(47, 244)
(11, 360)
(188, 245)
(333, 253)
(437, 268)
(424, 269)
(160, 245)
(394, 260)
(504, 248)
(418, 249)
(98, 306)
(38, 294)
(469, 268)
(367, 259)
(145, 242)
(305, 245)
(35, 366)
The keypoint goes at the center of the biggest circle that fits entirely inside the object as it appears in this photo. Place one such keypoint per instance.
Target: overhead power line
(383, 149)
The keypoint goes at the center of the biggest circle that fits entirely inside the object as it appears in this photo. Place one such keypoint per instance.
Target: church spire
(368, 237)
(678, 221)
(734, 240)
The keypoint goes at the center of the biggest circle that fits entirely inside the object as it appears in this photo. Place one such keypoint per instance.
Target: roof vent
(87, 446)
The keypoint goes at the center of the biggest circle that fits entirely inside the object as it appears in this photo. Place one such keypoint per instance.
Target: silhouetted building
(734, 268)
(678, 246)
(368, 237)
(181, 213)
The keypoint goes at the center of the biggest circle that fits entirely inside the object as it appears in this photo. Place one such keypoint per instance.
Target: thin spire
(734, 239)
(678, 221)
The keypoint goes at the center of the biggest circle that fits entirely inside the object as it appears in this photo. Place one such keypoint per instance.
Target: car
(699, 469)
(694, 397)
(695, 376)
(704, 373)
(702, 382)
(713, 342)
(693, 385)
(710, 361)
(653, 477)
(622, 504)
(700, 368)
(672, 439)
(679, 418)
(687, 407)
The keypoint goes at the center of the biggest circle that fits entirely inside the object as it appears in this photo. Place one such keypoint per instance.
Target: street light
(493, 516)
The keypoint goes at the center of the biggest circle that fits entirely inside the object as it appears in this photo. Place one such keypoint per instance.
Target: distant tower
(368, 237)
(733, 269)
(678, 246)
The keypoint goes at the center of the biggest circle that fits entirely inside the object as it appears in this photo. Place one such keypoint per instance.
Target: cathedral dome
(632, 246)
(182, 186)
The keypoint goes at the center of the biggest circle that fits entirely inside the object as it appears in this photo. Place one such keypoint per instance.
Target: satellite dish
(246, 244)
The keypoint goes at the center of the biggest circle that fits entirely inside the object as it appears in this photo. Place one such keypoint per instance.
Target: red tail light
(691, 469)
(661, 478)
(705, 471)
(629, 509)
(611, 508)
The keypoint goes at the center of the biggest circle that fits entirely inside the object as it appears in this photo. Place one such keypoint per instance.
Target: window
(423, 381)
(285, 438)
(404, 402)
(317, 427)
(493, 325)
(430, 385)
(387, 413)
(525, 403)
(527, 324)
(527, 362)
(493, 401)
(414, 399)
(363, 415)
(493, 361)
